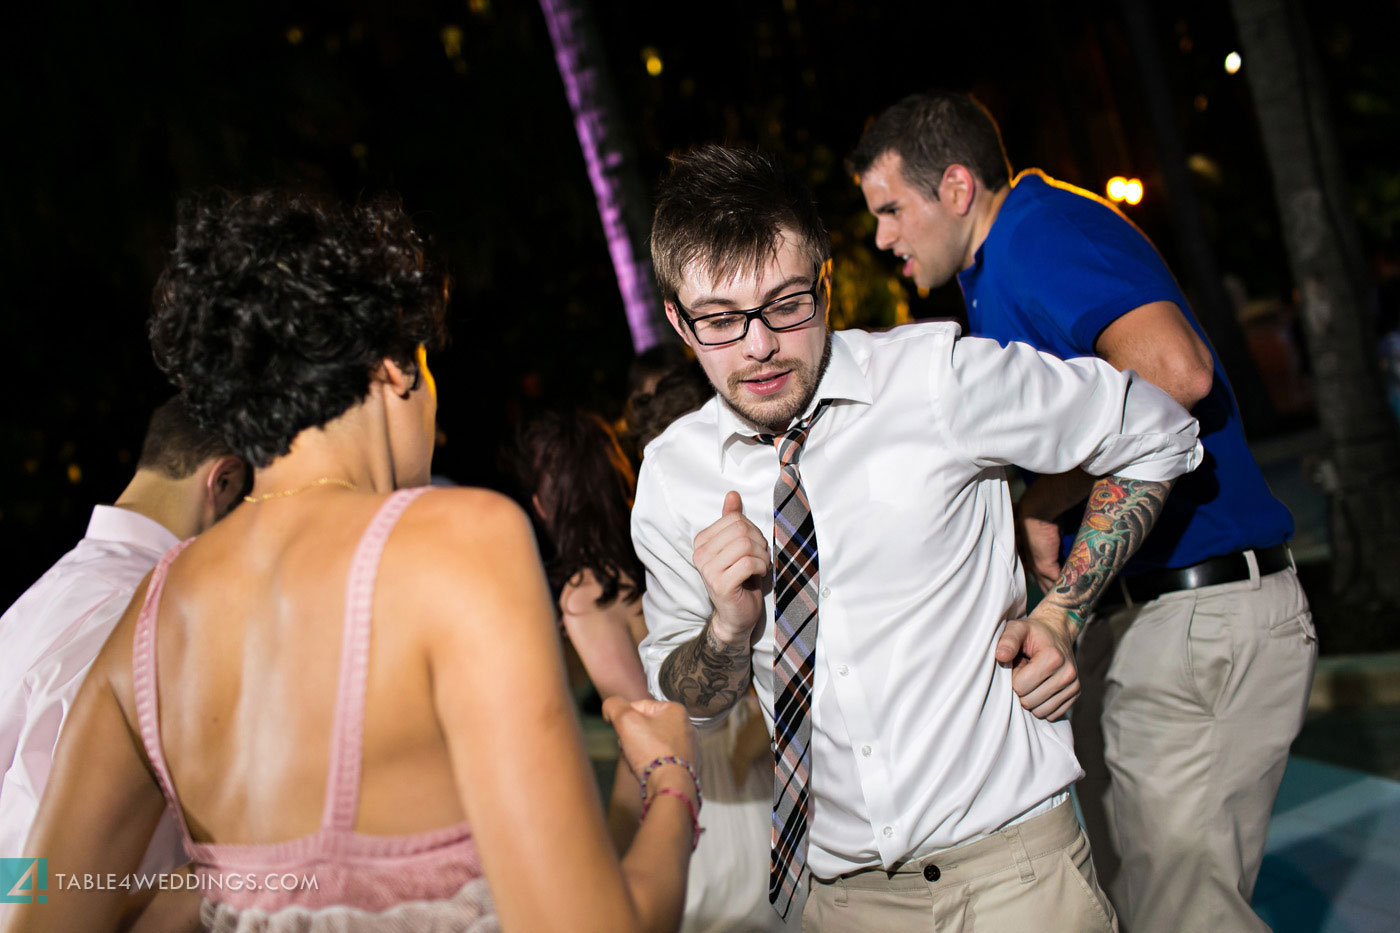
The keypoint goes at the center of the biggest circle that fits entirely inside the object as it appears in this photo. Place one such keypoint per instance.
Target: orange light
(422, 357)
(452, 40)
(1125, 189)
(1233, 63)
(653, 61)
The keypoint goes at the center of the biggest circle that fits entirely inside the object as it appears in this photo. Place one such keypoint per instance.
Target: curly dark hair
(575, 466)
(276, 308)
(678, 392)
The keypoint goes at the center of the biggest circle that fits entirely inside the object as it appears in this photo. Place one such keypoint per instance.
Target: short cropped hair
(722, 211)
(175, 444)
(930, 131)
(276, 309)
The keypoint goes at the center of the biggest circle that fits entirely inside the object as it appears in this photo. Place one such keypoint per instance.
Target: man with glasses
(850, 488)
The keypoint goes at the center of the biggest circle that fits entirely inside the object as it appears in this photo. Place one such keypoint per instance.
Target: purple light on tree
(611, 169)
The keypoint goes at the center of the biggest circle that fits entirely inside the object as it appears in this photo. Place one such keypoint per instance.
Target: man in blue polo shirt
(1197, 665)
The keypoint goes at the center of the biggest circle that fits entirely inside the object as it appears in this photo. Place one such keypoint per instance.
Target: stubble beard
(776, 420)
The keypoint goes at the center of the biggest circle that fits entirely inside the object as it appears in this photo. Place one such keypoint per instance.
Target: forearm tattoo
(706, 675)
(1119, 514)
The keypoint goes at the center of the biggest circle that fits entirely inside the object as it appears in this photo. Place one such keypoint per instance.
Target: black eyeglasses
(783, 313)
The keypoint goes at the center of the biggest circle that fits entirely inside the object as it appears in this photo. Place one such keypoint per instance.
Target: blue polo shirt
(1057, 267)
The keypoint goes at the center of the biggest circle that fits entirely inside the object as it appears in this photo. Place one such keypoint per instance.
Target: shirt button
(826, 591)
(931, 873)
(865, 750)
(888, 831)
(843, 670)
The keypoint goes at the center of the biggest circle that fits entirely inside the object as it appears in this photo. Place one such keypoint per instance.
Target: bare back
(463, 661)
(249, 648)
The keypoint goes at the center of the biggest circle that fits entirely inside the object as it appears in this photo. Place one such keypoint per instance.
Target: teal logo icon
(24, 881)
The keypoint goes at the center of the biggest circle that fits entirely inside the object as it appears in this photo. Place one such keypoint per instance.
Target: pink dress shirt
(48, 640)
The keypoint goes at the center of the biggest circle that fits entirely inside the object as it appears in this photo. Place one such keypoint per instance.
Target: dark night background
(111, 113)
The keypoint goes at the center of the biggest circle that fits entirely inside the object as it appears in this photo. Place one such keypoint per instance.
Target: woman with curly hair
(350, 690)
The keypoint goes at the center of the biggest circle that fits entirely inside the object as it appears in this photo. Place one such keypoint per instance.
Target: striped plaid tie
(795, 611)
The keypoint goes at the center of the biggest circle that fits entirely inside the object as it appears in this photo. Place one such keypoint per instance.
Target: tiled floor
(1333, 858)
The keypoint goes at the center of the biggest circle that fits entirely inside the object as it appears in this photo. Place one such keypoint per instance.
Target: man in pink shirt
(186, 479)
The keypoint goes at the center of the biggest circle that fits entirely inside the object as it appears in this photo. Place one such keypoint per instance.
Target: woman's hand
(650, 729)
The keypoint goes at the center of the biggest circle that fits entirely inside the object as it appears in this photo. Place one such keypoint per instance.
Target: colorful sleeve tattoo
(1117, 518)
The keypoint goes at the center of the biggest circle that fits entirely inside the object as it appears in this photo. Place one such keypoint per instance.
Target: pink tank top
(362, 872)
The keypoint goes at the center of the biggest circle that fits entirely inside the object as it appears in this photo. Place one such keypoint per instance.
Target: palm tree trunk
(1324, 252)
(1207, 288)
(612, 167)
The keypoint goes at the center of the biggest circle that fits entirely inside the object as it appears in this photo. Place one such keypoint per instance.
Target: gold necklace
(323, 481)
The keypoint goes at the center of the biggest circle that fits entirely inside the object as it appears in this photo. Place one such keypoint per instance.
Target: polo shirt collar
(967, 277)
(842, 381)
(110, 523)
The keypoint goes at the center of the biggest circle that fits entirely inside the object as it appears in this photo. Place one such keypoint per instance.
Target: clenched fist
(733, 560)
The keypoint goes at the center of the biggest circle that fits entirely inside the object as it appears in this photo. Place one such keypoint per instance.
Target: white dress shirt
(48, 640)
(918, 742)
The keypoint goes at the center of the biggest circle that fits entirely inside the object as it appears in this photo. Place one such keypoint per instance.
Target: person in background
(580, 486)
(648, 368)
(1197, 664)
(651, 365)
(186, 479)
(675, 392)
(727, 889)
(355, 678)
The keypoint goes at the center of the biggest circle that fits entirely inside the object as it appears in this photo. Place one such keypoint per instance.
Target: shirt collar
(842, 381)
(110, 523)
(1012, 205)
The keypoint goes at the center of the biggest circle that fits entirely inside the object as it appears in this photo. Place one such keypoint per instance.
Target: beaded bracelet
(671, 760)
(695, 828)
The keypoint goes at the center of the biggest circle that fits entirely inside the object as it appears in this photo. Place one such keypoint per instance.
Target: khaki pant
(1035, 875)
(1189, 705)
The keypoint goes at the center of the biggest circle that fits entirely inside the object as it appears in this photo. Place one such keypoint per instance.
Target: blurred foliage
(1378, 203)
(864, 294)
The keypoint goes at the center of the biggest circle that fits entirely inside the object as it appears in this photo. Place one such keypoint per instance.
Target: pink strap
(347, 732)
(143, 681)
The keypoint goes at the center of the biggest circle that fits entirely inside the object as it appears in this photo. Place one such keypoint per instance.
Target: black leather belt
(1229, 568)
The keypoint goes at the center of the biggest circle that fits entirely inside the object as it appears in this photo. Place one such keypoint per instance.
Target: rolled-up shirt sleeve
(675, 604)
(1017, 405)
